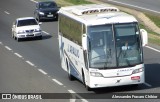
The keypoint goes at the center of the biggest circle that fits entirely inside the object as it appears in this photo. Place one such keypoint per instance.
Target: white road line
(59, 83)
(43, 72)
(134, 6)
(148, 85)
(1, 43)
(6, 12)
(18, 55)
(83, 100)
(8, 48)
(33, 1)
(30, 63)
(45, 32)
(152, 48)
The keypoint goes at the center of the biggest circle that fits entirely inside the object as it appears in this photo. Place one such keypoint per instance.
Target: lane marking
(8, 48)
(59, 83)
(45, 32)
(43, 72)
(1, 43)
(6, 12)
(134, 6)
(18, 55)
(83, 100)
(148, 85)
(33, 1)
(152, 48)
(30, 63)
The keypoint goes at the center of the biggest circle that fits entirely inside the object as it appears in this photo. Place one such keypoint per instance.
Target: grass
(43, 0)
(69, 2)
(153, 37)
(62, 3)
(154, 18)
(77, 2)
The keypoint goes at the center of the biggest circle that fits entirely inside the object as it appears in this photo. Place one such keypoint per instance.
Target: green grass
(154, 40)
(153, 37)
(43, 0)
(154, 18)
(77, 2)
(147, 29)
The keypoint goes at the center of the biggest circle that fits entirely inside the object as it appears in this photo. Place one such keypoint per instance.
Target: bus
(101, 46)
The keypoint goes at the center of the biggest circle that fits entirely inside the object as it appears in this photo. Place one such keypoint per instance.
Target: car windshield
(27, 22)
(47, 5)
(114, 45)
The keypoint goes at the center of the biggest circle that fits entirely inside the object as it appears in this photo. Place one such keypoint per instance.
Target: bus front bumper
(97, 82)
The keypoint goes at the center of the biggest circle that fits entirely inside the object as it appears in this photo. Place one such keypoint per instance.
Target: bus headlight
(137, 70)
(96, 74)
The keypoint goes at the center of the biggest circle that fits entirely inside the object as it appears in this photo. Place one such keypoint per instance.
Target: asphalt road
(33, 66)
(144, 5)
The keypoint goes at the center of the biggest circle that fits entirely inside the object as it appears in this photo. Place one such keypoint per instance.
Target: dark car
(46, 10)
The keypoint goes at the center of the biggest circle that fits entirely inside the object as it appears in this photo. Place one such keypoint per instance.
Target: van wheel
(84, 82)
(70, 77)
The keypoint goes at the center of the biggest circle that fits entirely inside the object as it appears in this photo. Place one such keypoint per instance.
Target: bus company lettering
(73, 51)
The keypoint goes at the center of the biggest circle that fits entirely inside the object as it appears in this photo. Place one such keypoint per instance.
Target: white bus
(101, 46)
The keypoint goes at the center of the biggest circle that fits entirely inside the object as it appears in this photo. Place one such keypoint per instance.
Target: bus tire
(70, 77)
(84, 82)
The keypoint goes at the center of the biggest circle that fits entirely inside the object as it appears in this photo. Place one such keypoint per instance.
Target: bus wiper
(107, 56)
(97, 56)
(105, 65)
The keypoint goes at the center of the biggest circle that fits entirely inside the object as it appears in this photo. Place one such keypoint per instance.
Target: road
(33, 66)
(147, 5)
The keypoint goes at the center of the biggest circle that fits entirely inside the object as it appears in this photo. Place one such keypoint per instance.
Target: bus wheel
(84, 82)
(70, 77)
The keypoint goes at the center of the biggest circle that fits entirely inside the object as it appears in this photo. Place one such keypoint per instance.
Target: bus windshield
(114, 45)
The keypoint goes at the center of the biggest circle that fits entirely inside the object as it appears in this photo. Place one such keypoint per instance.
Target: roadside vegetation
(153, 36)
(77, 2)
(154, 18)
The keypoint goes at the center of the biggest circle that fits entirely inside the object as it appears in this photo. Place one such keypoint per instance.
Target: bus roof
(96, 14)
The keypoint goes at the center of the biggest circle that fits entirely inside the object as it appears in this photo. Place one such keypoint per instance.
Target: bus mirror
(144, 37)
(84, 41)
